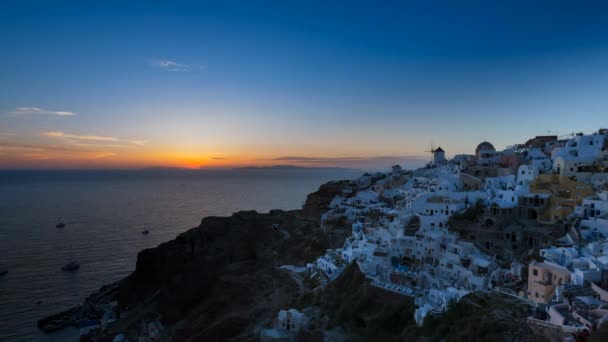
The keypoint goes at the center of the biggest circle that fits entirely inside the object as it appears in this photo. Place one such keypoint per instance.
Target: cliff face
(219, 280)
(318, 202)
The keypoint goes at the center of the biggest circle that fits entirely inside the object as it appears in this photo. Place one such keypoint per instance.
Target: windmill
(437, 154)
(431, 148)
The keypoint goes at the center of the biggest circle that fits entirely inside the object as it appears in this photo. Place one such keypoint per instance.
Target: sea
(105, 213)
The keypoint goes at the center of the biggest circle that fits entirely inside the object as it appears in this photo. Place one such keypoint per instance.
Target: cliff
(220, 280)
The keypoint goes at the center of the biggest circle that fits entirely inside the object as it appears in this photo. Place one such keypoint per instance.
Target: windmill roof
(438, 149)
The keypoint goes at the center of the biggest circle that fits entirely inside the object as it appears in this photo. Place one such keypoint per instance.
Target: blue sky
(239, 83)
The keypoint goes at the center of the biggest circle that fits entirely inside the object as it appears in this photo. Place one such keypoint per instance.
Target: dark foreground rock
(61, 320)
(89, 309)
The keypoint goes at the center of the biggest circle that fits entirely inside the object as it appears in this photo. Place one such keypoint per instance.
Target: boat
(3, 272)
(72, 265)
(60, 223)
(145, 232)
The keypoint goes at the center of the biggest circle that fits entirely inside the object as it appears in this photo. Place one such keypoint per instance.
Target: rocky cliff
(220, 280)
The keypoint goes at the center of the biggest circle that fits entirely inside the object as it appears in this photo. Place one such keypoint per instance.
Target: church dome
(484, 146)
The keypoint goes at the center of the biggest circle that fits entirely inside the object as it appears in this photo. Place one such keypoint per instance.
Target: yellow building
(565, 193)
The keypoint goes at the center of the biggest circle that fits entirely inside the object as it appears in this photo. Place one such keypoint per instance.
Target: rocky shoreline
(88, 310)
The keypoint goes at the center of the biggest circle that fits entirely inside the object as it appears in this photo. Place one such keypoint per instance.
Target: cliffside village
(530, 221)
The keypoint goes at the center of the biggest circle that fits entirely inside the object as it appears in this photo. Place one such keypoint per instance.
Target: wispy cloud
(30, 111)
(47, 152)
(10, 146)
(6, 135)
(346, 159)
(97, 155)
(218, 158)
(98, 138)
(169, 65)
(374, 162)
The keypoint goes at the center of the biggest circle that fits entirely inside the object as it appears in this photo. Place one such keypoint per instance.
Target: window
(535, 273)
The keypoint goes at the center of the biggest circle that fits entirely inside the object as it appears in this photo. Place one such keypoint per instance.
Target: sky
(132, 84)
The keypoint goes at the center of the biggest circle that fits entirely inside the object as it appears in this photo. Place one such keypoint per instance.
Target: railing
(545, 324)
(513, 295)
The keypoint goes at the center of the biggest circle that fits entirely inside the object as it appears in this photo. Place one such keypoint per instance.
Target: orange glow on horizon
(109, 156)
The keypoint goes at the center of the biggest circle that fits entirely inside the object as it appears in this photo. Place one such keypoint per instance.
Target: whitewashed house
(292, 320)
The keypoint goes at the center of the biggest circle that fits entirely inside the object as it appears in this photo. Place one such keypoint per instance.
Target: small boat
(145, 232)
(60, 223)
(71, 266)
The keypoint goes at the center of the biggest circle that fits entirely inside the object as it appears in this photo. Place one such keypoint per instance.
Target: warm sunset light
(283, 170)
(253, 89)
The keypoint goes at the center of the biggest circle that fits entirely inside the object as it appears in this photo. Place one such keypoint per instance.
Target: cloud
(345, 159)
(6, 135)
(9, 146)
(50, 152)
(59, 134)
(98, 138)
(168, 65)
(97, 155)
(218, 158)
(374, 162)
(29, 111)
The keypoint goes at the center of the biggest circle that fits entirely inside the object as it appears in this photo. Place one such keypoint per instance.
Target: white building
(527, 174)
(330, 264)
(292, 320)
(583, 147)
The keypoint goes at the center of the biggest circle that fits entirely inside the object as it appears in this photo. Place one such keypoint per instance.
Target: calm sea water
(105, 213)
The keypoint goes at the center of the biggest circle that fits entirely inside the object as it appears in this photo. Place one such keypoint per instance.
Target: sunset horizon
(174, 86)
(302, 171)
